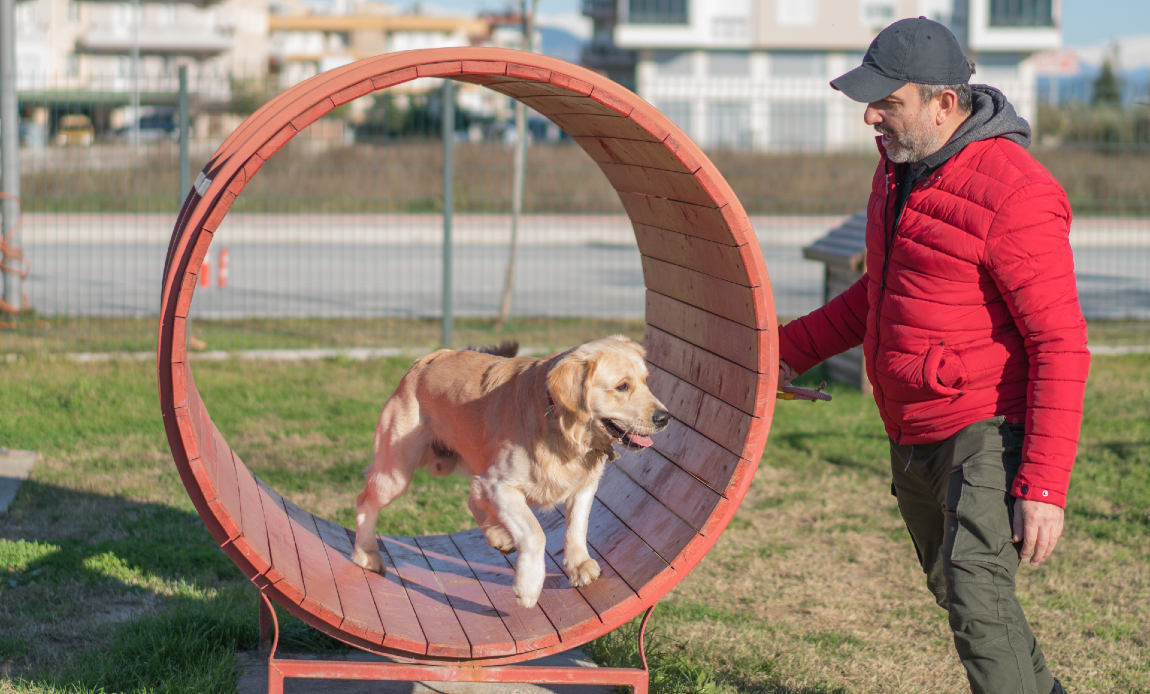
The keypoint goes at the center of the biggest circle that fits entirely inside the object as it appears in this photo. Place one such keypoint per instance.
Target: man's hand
(1037, 525)
(786, 374)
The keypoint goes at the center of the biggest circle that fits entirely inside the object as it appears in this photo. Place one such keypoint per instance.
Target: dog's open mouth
(630, 441)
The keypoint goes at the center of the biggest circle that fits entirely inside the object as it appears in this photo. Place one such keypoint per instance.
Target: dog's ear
(567, 383)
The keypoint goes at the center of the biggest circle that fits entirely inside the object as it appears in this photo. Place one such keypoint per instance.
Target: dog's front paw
(527, 597)
(370, 560)
(584, 572)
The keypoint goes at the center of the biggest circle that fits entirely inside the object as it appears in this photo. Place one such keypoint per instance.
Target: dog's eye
(622, 387)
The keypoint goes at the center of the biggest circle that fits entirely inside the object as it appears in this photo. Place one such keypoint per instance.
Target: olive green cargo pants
(955, 498)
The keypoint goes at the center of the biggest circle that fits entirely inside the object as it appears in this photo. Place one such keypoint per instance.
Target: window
(798, 64)
(795, 13)
(877, 13)
(679, 112)
(656, 11)
(1021, 13)
(729, 64)
(798, 125)
(674, 63)
(729, 124)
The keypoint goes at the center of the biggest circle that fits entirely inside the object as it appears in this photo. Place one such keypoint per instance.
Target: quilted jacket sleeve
(825, 332)
(1028, 255)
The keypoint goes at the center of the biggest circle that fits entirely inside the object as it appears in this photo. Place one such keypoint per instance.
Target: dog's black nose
(661, 418)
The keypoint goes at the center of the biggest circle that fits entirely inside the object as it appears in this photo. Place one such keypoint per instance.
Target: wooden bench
(446, 606)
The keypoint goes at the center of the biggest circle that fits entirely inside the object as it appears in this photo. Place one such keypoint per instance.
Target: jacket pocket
(943, 371)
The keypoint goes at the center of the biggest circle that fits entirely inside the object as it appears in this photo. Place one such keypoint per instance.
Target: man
(973, 337)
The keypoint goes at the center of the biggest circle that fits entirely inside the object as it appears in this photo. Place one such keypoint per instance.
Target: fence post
(448, 114)
(184, 184)
(9, 156)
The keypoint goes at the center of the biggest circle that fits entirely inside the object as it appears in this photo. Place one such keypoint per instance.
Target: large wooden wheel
(711, 343)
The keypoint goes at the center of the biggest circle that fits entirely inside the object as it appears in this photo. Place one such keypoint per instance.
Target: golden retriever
(533, 432)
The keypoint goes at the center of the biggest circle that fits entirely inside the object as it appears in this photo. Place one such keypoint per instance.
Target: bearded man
(974, 341)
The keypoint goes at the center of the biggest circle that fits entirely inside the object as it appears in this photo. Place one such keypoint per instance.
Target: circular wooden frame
(712, 347)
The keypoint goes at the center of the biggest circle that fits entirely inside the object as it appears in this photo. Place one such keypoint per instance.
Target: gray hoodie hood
(992, 116)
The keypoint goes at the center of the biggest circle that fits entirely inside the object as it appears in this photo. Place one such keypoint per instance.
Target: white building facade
(755, 73)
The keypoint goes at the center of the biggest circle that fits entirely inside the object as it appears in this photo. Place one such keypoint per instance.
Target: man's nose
(872, 116)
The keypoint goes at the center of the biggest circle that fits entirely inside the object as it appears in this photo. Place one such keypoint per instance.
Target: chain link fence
(337, 244)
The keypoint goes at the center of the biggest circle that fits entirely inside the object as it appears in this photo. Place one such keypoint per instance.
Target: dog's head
(603, 384)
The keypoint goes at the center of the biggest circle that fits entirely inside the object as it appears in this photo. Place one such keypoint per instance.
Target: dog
(532, 432)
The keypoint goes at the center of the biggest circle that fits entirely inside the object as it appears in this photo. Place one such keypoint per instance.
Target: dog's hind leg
(497, 536)
(399, 450)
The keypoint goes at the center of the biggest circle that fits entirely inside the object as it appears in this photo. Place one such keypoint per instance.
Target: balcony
(199, 41)
(1014, 26)
(599, 9)
(1021, 13)
(656, 11)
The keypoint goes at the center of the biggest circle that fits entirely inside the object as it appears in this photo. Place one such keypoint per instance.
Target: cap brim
(866, 85)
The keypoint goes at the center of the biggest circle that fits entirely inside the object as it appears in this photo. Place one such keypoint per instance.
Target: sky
(1084, 22)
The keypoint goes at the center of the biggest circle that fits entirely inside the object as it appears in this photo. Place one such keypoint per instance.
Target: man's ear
(947, 106)
(567, 383)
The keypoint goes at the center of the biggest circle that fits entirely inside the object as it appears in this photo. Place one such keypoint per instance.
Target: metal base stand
(279, 670)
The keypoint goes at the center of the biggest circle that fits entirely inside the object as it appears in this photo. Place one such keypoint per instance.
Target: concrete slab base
(254, 679)
(14, 468)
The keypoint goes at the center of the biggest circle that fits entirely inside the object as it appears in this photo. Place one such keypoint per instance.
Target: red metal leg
(269, 629)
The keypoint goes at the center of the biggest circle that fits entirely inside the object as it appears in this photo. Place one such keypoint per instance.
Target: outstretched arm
(827, 331)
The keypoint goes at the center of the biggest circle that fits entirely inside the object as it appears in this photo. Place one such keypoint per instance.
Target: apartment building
(754, 73)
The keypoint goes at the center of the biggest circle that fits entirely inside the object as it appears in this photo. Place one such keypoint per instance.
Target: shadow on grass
(142, 601)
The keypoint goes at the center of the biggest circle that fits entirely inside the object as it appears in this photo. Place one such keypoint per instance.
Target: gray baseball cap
(910, 50)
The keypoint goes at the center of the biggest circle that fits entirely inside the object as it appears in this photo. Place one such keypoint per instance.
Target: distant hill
(561, 44)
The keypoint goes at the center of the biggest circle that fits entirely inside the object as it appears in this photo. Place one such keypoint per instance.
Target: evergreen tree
(1108, 87)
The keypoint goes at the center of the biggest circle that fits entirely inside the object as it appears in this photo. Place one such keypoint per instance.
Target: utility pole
(448, 114)
(184, 126)
(136, 72)
(10, 160)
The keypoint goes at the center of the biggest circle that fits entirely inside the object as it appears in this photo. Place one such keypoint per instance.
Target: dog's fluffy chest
(552, 481)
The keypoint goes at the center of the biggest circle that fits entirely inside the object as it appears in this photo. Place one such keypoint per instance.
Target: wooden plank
(253, 540)
(726, 425)
(672, 185)
(605, 594)
(681, 398)
(672, 215)
(564, 606)
(445, 636)
(697, 455)
(715, 259)
(635, 561)
(673, 486)
(480, 620)
(401, 625)
(228, 502)
(285, 572)
(579, 125)
(519, 89)
(714, 295)
(530, 628)
(726, 338)
(652, 155)
(360, 616)
(569, 103)
(321, 596)
(646, 516)
(723, 379)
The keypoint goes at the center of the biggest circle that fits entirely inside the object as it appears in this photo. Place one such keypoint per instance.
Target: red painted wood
(564, 605)
(445, 636)
(674, 487)
(227, 484)
(530, 628)
(602, 595)
(697, 455)
(711, 294)
(360, 616)
(321, 597)
(653, 522)
(708, 257)
(550, 105)
(480, 620)
(253, 540)
(401, 626)
(726, 338)
(726, 380)
(642, 149)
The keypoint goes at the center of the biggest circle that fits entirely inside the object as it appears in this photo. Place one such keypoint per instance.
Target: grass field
(109, 581)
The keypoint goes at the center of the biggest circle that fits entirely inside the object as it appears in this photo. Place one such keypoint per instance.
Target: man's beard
(916, 142)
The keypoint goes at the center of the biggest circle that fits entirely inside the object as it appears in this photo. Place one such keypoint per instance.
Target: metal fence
(338, 243)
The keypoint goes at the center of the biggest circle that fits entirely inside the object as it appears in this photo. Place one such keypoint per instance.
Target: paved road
(349, 280)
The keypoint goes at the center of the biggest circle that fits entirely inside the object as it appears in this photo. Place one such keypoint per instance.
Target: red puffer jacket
(977, 315)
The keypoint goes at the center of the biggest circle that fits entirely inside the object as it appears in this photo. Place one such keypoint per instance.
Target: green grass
(110, 582)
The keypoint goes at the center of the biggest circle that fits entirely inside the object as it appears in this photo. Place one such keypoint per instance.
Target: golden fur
(493, 415)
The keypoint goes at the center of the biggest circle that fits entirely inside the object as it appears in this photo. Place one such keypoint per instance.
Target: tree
(519, 172)
(1108, 87)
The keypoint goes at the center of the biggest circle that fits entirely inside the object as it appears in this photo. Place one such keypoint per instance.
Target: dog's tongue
(640, 440)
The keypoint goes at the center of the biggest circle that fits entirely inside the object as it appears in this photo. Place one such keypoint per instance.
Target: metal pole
(9, 151)
(136, 72)
(448, 201)
(184, 184)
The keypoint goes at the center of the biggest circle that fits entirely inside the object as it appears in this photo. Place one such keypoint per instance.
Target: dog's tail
(509, 348)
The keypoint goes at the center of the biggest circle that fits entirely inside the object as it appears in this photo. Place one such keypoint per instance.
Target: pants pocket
(979, 499)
